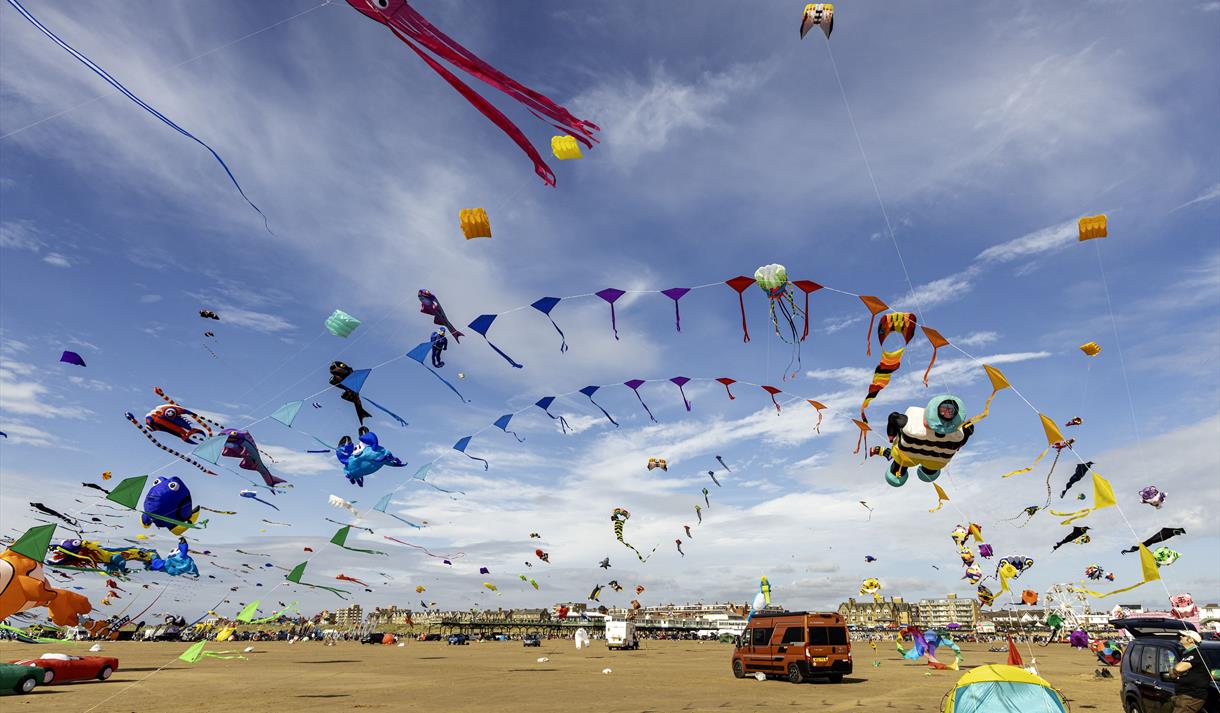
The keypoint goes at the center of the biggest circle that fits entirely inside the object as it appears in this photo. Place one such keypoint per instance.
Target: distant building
(942, 612)
(390, 616)
(1209, 613)
(889, 612)
(349, 616)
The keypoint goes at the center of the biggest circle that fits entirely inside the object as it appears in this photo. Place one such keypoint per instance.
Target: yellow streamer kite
(1053, 437)
(1103, 497)
(1150, 571)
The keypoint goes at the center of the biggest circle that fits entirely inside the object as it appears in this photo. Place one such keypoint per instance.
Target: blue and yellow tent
(997, 688)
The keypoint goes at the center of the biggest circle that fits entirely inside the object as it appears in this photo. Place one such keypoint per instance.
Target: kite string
(108, 94)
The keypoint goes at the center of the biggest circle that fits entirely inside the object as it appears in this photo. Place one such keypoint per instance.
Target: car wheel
(1133, 706)
(25, 685)
(739, 669)
(836, 678)
(794, 673)
(48, 677)
(104, 673)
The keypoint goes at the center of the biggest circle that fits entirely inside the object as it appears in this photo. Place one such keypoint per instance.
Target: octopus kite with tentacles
(182, 423)
(426, 40)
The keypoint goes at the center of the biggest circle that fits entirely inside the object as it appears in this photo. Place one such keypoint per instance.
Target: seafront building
(890, 612)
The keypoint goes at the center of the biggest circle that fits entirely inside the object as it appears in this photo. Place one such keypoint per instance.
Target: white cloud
(91, 384)
(642, 117)
(56, 260)
(19, 235)
(976, 339)
(20, 394)
(23, 434)
(1206, 196)
(1042, 241)
(251, 319)
(150, 299)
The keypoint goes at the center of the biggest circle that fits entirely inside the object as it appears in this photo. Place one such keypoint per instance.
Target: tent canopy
(997, 688)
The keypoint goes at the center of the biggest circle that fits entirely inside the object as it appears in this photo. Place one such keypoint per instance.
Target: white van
(621, 635)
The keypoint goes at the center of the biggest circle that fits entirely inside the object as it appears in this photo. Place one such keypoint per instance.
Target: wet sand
(505, 676)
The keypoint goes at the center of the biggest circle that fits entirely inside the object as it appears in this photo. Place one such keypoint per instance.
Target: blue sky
(726, 144)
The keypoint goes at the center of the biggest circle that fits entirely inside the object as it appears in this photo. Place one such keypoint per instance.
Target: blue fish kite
(364, 459)
(168, 498)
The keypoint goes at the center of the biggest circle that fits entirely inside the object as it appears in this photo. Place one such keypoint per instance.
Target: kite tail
(446, 383)
(563, 340)
(167, 449)
(486, 465)
(392, 415)
(410, 21)
(641, 398)
(138, 101)
(485, 107)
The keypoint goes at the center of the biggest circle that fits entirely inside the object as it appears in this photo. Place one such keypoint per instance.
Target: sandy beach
(504, 676)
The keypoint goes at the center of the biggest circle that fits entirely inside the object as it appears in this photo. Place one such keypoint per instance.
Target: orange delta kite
(819, 406)
(475, 223)
(1092, 226)
(1090, 349)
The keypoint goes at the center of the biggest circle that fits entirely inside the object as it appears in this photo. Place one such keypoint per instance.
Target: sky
(936, 155)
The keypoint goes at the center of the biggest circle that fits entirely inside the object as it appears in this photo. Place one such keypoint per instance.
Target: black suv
(1151, 655)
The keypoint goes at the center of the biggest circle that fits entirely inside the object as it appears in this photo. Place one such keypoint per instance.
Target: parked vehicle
(20, 679)
(531, 640)
(429, 637)
(621, 635)
(375, 637)
(796, 645)
(458, 640)
(1150, 656)
(62, 668)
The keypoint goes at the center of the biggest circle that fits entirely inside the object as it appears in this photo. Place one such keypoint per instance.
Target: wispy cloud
(19, 235)
(56, 260)
(1208, 195)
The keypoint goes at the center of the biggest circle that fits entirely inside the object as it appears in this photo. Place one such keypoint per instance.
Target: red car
(62, 668)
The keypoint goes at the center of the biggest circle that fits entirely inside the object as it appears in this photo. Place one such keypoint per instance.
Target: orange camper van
(796, 645)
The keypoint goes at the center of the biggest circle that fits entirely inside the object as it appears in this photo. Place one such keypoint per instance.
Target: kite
(299, 571)
(253, 495)
(597, 591)
(986, 598)
(167, 504)
(604, 564)
(565, 148)
(639, 589)
(209, 314)
(474, 223)
(820, 14)
(1075, 421)
(532, 582)
(341, 324)
(1165, 556)
(687, 528)
(705, 500)
(723, 464)
(542, 556)
(1028, 512)
(619, 518)
(535, 536)
(773, 279)
(1077, 534)
(927, 438)
(613, 584)
(181, 423)
(232, 443)
(346, 578)
(443, 558)
(1164, 534)
(763, 598)
(1081, 470)
(383, 505)
(1029, 597)
(712, 475)
(350, 381)
(941, 497)
(870, 510)
(869, 558)
(901, 323)
(420, 589)
(1095, 572)
(1092, 226)
(871, 587)
(112, 81)
(430, 305)
(699, 512)
(55, 513)
(423, 37)
(1090, 349)
(973, 574)
(438, 343)
(340, 540)
(364, 459)
(24, 585)
(654, 463)
(72, 358)
(1150, 495)
(1149, 568)
(338, 373)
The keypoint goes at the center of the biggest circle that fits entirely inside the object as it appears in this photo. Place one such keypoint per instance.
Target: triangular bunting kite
(287, 413)
(295, 577)
(611, 295)
(741, 283)
(588, 391)
(419, 353)
(635, 385)
(460, 446)
(544, 403)
(675, 294)
(340, 540)
(545, 305)
(481, 324)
